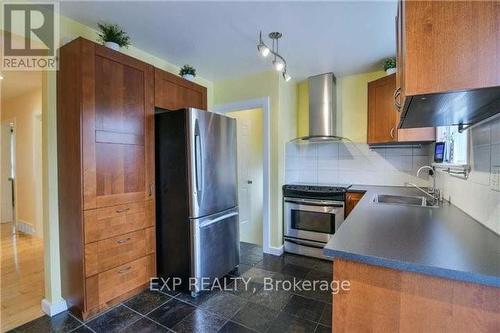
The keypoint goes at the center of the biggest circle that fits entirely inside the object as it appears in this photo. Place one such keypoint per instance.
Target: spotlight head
(263, 50)
(278, 65)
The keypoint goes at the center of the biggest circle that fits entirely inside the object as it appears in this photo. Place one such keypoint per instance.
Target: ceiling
(19, 83)
(219, 38)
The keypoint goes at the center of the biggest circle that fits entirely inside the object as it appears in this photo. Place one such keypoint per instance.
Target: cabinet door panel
(381, 113)
(173, 92)
(119, 97)
(119, 168)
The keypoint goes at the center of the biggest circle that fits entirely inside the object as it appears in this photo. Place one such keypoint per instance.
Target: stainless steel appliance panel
(212, 163)
(214, 245)
(324, 218)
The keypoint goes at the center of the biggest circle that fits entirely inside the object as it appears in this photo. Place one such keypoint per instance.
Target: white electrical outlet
(495, 178)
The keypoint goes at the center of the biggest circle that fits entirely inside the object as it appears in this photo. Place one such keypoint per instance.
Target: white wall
(474, 196)
(355, 163)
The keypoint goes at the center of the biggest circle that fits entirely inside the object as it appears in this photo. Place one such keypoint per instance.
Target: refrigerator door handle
(198, 155)
(223, 217)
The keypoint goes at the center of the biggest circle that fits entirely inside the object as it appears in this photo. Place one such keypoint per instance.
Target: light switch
(495, 178)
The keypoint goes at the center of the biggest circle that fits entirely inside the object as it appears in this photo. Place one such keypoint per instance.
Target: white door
(244, 180)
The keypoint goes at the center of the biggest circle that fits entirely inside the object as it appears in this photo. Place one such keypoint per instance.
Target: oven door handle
(316, 203)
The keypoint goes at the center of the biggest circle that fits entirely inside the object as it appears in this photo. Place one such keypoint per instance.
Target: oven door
(314, 220)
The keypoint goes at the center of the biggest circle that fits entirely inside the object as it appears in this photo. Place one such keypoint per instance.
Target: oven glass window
(313, 221)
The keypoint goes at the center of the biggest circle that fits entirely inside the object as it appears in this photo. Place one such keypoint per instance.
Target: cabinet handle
(392, 133)
(121, 241)
(124, 270)
(397, 104)
(122, 210)
(151, 188)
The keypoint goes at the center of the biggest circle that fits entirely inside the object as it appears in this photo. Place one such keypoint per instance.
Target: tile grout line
(159, 306)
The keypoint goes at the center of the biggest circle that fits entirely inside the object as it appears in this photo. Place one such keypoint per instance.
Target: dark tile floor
(239, 309)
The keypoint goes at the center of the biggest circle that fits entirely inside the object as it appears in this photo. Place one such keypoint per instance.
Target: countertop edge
(490, 281)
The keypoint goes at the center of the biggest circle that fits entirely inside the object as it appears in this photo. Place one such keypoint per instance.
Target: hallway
(22, 280)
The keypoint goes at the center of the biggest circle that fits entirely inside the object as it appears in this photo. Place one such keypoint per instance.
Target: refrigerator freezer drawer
(215, 248)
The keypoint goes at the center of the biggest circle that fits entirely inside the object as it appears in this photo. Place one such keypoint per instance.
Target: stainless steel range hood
(322, 109)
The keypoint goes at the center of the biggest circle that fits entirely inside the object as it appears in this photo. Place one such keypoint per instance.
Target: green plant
(113, 33)
(187, 70)
(389, 63)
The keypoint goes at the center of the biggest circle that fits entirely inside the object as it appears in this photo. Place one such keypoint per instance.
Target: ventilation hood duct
(322, 109)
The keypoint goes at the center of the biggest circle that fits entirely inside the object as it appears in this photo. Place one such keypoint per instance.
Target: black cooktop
(315, 191)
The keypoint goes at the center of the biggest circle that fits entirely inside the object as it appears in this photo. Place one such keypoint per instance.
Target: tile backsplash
(355, 163)
(474, 195)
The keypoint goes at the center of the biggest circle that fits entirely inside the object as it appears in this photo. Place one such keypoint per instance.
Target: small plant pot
(112, 45)
(390, 71)
(189, 77)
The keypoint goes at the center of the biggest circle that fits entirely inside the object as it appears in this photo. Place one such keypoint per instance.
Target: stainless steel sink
(405, 200)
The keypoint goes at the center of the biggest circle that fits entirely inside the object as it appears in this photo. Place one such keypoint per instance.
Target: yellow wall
(251, 231)
(23, 110)
(303, 108)
(283, 115)
(352, 105)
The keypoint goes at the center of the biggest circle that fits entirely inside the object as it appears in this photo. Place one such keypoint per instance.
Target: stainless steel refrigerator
(196, 195)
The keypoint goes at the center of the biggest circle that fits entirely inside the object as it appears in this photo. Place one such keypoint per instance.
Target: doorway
(8, 167)
(250, 147)
(263, 103)
(21, 229)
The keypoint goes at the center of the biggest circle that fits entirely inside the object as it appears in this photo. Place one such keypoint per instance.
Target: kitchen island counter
(442, 242)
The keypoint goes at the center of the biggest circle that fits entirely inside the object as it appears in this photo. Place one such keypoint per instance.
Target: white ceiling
(219, 38)
(18, 83)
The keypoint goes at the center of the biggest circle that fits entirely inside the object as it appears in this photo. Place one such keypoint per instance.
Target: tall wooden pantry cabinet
(105, 120)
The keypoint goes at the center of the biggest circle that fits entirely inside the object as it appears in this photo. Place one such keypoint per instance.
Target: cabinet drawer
(113, 221)
(106, 254)
(104, 287)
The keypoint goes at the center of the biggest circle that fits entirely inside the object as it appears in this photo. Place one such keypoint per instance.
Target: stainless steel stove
(311, 215)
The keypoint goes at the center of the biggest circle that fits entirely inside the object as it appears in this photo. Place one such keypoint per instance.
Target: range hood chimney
(322, 108)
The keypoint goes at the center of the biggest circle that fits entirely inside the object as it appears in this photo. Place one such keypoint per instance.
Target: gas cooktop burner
(317, 188)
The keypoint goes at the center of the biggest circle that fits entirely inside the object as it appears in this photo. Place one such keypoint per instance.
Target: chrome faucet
(434, 192)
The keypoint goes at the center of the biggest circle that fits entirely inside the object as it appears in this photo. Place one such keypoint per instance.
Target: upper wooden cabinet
(445, 46)
(450, 45)
(173, 92)
(383, 118)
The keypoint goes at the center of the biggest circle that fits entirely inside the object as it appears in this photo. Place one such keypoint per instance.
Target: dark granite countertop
(443, 242)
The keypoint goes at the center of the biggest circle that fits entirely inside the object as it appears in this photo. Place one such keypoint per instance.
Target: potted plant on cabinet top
(390, 66)
(187, 72)
(113, 36)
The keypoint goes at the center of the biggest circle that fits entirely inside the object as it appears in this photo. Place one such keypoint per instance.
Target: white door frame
(12, 159)
(264, 104)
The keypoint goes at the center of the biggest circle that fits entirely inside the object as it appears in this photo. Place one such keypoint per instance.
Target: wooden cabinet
(445, 46)
(383, 118)
(173, 92)
(351, 200)
(106, 175)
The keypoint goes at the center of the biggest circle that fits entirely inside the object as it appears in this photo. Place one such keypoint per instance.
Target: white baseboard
(25, 227)
(51, 309)
(276, 251)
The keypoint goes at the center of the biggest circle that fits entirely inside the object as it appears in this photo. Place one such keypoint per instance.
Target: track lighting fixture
(279, 62)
